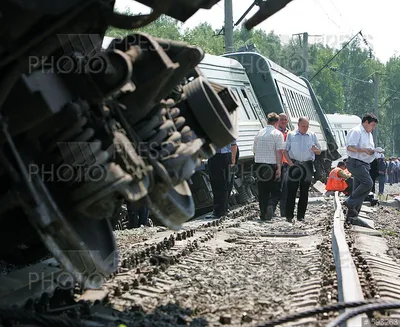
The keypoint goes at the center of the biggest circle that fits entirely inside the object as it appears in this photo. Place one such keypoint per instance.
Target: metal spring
(77, 156)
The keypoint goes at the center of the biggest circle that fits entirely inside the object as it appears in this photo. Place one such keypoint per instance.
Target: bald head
(283, 121)
(303, 125)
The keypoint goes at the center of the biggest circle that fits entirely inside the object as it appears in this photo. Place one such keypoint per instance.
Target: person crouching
(339, 180)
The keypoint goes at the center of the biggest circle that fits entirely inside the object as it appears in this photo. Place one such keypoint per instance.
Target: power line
(334, 56)
(327, 14)
(334, 69)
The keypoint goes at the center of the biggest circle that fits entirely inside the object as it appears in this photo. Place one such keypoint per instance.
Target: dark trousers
(138, 215)
(299, 175)
(362, 182)
(381, 179)
(269, 189)
(283, 182)
(219, 172)
(232, 174)
(349, 187)
(373, 172)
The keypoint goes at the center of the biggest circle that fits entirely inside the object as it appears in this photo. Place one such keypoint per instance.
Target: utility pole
(376, 84)
(229, 27)
(304, 45)
(305, 54)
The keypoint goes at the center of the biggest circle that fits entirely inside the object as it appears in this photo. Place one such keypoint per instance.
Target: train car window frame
(285, 102)
(254, 104)
(300, 96)
(246, 106)
(309, 108)
(242, 113)
(289, 100)
(247, 97)
(296, 101)
(295, 107)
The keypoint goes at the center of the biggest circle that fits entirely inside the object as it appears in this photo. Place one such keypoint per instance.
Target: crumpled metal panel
(182, 9)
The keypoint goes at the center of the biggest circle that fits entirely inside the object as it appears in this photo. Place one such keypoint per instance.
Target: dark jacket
(381, 166)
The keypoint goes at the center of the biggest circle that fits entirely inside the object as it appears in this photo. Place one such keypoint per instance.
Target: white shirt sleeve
(353, 138)
(280, 144)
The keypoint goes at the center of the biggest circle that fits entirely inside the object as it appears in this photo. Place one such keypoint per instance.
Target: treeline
(347, 85)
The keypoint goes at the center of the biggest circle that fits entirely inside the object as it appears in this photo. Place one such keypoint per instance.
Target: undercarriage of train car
(83, 130)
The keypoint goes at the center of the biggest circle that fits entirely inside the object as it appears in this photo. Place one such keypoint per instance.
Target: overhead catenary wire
(330, 60)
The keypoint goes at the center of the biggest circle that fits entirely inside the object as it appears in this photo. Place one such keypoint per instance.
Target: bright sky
(333, 21)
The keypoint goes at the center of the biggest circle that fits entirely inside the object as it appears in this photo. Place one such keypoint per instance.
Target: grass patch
(388, 232)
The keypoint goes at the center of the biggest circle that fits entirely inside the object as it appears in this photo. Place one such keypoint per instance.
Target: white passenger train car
(341, 124)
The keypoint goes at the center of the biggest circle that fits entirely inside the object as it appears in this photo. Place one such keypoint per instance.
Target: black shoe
(289, 219)
(300, 219)
(351, 213)
(270, 213)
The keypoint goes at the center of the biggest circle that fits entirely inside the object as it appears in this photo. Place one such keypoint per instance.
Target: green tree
(206, 38)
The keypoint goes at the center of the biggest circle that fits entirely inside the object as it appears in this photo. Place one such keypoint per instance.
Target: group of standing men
(284, 163)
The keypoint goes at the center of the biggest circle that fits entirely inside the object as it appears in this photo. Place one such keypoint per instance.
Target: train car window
(295, 107)
(311, 108)
(303, 107)
(309, 111)
(249, 102)
(289, 100)
(254, 104)
(242, 111)
(296, 102)
(246, 105)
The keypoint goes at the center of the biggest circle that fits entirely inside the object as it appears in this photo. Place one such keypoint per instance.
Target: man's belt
(363, 162)
(301, 162)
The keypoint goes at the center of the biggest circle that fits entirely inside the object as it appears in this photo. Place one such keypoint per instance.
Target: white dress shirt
(360, 138)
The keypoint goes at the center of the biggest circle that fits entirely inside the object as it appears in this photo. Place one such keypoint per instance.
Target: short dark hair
(272, 118)
(370, 117)
(341, 163)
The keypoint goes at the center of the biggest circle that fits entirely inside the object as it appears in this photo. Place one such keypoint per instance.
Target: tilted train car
(250, 119)
(341, 124)
(261, 87)
(280, 91)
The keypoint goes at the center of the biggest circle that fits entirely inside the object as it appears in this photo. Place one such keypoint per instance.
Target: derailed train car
(261, 87)
(280, 91)
(250, 118)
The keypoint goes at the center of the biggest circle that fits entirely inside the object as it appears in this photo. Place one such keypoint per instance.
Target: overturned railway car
(249, 117)
(280, 91)
(260, 87)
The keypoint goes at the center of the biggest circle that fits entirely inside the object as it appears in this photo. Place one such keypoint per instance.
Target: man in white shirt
(361, 152)
(267, 148)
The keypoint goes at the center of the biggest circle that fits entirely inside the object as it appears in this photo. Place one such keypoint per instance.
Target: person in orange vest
(339, 180)
(282, 127)
(346, 170)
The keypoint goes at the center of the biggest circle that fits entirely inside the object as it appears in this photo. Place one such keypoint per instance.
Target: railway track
(231, 271)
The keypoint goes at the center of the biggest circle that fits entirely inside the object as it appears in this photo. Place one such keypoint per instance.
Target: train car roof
(274, 67)
(221, 61)
(343, 118)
